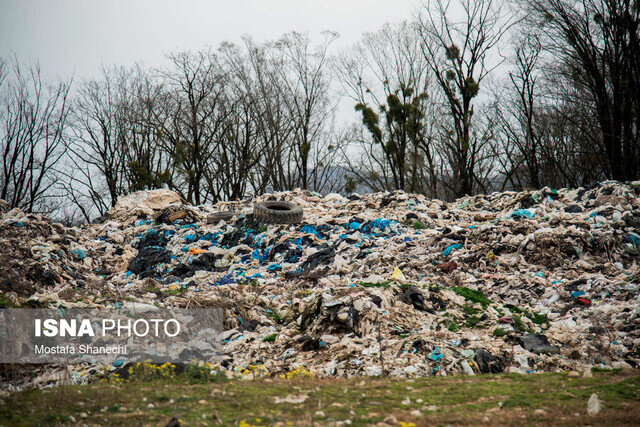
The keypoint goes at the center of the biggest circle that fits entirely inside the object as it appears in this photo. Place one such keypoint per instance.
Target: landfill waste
(593, 405)
(356, 288)
(216, 217)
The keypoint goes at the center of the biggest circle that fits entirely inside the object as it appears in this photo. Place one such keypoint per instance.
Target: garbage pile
(377, 284)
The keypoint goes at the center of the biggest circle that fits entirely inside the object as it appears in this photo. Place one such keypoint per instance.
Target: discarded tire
(216, 217)
(275, 212)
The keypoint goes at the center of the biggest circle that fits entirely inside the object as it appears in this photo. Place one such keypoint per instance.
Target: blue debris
(225, 280)
(211, 237)
(274, 267)
(354, 225)
(633, 239)
(577, 294)
(309, 229)
(522, 213)
(79, 254)
(380, 224)
(190, 226)
(450, 248)
(190, 238)
(436, 354)
(118, 362)
(260, 257)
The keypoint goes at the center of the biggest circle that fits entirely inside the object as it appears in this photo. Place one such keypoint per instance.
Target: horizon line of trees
(470, 96)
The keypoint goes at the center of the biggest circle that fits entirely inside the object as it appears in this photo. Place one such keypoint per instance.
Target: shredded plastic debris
(515, 282)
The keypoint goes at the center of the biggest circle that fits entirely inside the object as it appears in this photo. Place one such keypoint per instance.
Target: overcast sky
(74, 37)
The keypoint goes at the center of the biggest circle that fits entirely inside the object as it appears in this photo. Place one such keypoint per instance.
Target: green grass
(498, 332)
(514, 309)
(537, 318)
(384, 284)
(471, 321)
(178, 290)
(417, 225)
(472, 295)
(5, 302)
(519, 325)
(467, 309)
(489, 399)
(270, 338)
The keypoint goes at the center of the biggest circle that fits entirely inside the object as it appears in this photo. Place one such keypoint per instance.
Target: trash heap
(377, 284)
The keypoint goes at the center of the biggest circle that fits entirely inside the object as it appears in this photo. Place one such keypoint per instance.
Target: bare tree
(516, 114)
(306, 86)
(255, 78)
(242, 148)
(461, 53)
(598, 42)
(97, 174)
(4, 71)
(283, 94)
(33, 134)
(116, 145)
(193, 120)
(147, 165)
(545, 137)
(388, 78)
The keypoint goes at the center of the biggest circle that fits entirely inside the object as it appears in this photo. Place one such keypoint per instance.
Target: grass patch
(489, 399)
(472, 295)
(513, 309)
(275, 316)
(519, 325)
(537, 318)
(601, 370)
(384, 284)
(499, 332)
(172, 290)
(270, 338)
(454, 327)
(467, 309)
(417, 225)
(5, 302)
(471, 321)
(405, 286)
